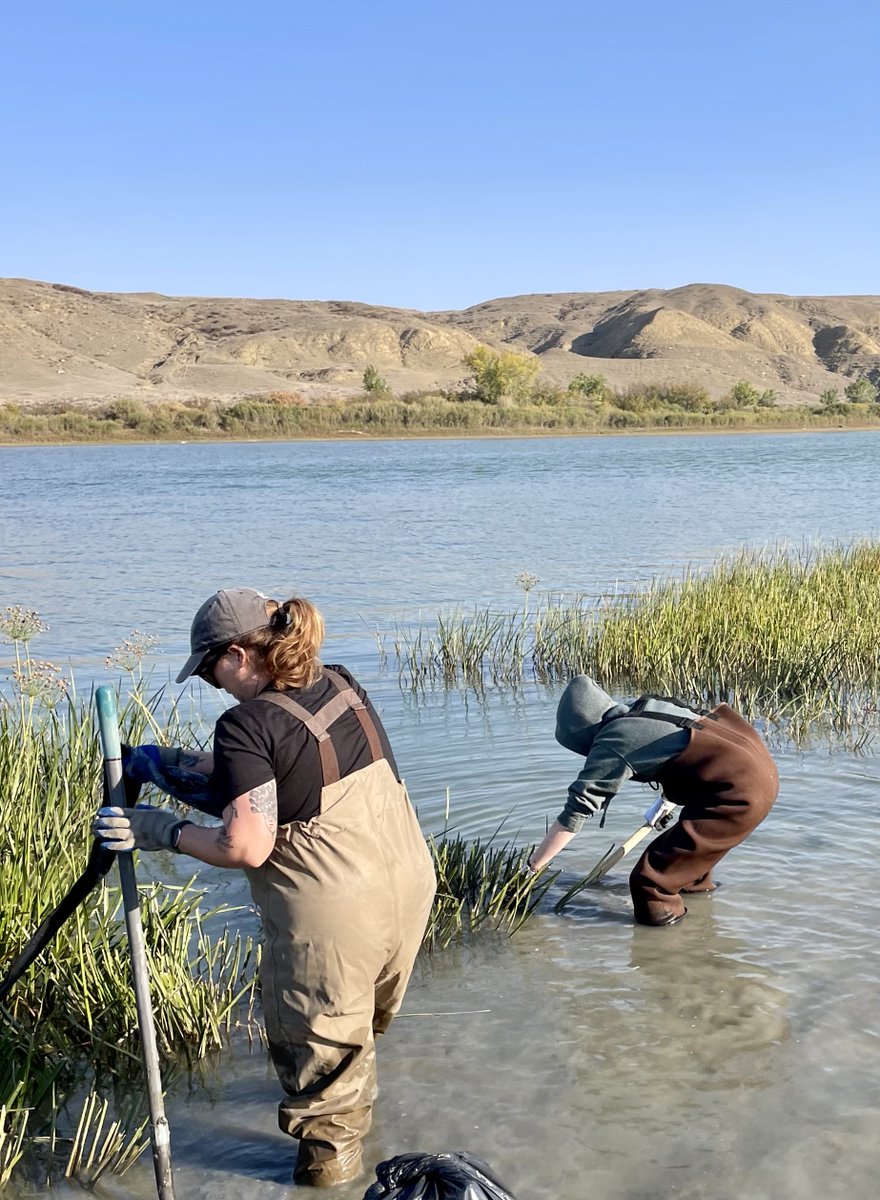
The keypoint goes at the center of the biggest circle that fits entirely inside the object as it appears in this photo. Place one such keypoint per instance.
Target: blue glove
(160, 765)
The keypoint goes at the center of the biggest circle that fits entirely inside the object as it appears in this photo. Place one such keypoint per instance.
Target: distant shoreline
(455, 435)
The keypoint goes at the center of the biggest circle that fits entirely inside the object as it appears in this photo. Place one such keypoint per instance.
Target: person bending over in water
(714, 765)
(305, 782)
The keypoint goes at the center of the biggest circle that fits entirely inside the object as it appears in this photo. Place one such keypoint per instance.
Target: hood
(582, 708)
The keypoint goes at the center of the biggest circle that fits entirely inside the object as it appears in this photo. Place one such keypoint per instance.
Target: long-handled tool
(100, 862)
(160, 1136)
(658, 816)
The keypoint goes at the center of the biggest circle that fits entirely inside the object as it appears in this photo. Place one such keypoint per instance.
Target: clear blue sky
(433, 155)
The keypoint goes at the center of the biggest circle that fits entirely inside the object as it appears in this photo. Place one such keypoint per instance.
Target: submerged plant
(13, 1127)
(95, 1148)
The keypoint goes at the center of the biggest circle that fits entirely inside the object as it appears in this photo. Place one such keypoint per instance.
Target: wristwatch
(175, 835)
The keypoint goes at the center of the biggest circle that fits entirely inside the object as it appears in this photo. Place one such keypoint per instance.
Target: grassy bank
(285, 416)
(792, 636)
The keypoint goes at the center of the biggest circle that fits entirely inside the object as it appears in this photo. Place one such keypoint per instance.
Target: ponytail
(290, 643)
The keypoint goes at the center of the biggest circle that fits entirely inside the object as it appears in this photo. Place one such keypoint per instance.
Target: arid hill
(62, 343)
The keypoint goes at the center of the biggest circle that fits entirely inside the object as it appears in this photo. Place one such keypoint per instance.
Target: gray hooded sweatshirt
(615, 749)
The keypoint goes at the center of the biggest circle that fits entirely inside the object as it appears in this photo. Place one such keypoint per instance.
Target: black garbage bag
(456, 1176)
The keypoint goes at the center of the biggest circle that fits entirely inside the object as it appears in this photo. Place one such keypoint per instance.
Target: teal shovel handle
(108, 721)
(160, 1137)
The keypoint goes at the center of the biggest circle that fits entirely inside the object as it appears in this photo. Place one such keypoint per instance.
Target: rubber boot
(320, 1165)
(704, 886)
(656, 914)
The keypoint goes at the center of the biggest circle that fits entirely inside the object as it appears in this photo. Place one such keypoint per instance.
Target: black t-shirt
(257, 741)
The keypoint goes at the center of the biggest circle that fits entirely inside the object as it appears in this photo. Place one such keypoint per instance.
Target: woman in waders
(304, 779)
(714, 765)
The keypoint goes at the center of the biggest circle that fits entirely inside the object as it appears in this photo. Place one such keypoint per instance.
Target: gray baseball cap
(223, 617)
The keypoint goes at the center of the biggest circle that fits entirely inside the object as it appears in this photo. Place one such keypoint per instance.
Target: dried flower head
(130, 654)
(41, 681)
(526, 580)
(19, 624)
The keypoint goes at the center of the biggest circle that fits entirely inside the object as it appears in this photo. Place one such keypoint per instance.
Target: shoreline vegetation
(500, 397)
(791, 638)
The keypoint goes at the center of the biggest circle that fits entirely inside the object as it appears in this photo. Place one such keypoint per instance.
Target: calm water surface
(734, 1057)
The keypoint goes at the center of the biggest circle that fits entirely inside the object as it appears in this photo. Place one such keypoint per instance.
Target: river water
(733, 1057)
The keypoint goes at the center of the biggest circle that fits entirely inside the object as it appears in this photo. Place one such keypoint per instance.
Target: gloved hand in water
(144, 828)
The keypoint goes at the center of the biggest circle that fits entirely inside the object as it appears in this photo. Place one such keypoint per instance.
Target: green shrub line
(480, 407)
(790, 635)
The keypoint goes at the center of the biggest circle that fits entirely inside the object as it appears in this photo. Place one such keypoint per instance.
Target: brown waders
(344, 900)
(726, 782)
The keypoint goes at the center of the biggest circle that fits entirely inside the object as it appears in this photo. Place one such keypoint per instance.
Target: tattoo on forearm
(264, 799)
(224, 841)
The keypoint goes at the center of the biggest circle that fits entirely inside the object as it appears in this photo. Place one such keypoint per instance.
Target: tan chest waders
(344, 899)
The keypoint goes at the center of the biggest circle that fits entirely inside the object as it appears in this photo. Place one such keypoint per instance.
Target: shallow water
(733, 1057)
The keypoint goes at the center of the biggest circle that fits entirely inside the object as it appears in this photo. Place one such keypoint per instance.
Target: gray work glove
(144, 828)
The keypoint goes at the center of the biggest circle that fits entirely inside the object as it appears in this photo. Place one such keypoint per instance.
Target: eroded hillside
(61, 343)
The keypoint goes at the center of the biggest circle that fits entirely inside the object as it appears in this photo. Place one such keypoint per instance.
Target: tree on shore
(860, 391)
(497, 377)
(375, 384)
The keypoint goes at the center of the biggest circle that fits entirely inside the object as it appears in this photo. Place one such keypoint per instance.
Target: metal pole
(160, 1134)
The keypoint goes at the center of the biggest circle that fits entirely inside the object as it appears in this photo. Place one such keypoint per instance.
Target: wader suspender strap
(319, 723)
(670, 718)
(639, 710)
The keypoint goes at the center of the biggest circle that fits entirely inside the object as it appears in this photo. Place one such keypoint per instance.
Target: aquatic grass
(781, 630)
(70, 1023)
(465, 647)
(480, 885)
(790, 634)
(198, 982)
(14, 1118)
(95, 1149)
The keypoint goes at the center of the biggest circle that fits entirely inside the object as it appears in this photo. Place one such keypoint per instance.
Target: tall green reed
(481, 885)
(791, 634)
(68, 1029)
